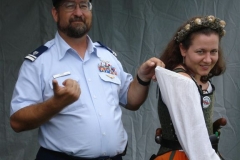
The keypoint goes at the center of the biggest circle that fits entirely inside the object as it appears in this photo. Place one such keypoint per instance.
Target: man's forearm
(137, 94)
(33, 116)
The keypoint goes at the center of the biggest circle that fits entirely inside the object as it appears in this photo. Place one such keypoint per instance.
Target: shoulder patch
(36, 53)
(103, 46)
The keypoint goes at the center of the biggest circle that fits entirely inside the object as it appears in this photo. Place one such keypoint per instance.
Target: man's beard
(74, 31)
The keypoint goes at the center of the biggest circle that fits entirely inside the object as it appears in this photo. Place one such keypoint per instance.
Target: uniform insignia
(106, 67)
(206, 101)
(110, 76)
(101, 45)
(36, 53)
(61, 74)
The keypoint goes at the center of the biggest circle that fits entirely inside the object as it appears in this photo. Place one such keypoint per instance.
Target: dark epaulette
(36, 53)
(101, 45)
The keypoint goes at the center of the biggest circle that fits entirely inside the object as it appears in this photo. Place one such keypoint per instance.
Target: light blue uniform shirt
(91, 126)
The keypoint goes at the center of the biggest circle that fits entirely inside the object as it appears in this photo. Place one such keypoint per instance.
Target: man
(71, 89)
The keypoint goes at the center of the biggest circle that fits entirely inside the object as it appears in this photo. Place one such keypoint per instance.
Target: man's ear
(182, 50)
(55, 14)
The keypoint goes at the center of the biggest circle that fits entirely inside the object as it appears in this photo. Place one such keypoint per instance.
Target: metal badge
(110, 76)
(206, 101)
(61, 74)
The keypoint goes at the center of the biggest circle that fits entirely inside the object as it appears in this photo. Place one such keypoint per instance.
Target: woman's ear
(182, 50)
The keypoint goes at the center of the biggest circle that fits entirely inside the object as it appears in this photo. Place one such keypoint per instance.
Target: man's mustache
(76, 19)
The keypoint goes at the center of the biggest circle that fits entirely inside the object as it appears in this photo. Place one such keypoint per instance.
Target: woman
(193, 52)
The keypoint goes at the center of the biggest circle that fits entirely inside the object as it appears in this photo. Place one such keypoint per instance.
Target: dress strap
(177, 70)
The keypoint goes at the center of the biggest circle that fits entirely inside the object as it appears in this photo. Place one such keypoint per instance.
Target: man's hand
(138, 89)
(146, 71)
(33, 116)
(67, 94)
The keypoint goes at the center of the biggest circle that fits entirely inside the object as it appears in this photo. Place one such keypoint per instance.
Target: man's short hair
(55, 2)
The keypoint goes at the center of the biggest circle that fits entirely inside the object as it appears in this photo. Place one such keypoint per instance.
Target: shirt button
(89, 80)
(100, 114)
(94, 97)
(104, 133)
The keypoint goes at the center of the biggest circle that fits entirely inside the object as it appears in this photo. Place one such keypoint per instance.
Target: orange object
(172, 155)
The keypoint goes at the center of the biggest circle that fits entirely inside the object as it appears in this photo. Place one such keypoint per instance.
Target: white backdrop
(136, 30)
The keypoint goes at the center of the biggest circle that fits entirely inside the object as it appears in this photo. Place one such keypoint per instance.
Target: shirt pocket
(111, 86)
(110, 78)
(60, 81)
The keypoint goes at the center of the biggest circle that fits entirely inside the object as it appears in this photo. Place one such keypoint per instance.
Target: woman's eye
(200, 52)
(214, 52)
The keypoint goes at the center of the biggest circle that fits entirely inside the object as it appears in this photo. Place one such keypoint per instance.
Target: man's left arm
(138, 89)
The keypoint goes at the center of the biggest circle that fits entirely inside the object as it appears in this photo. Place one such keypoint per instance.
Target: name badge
(61, 74)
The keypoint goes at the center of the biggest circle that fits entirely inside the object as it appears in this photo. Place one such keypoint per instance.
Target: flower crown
(201, 22)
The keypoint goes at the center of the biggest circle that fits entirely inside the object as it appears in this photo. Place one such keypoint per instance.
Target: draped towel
(181, 96)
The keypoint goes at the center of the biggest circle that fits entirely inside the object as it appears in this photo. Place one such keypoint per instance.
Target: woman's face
(202, 54)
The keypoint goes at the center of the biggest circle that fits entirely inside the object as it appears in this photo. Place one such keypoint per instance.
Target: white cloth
(181, 96)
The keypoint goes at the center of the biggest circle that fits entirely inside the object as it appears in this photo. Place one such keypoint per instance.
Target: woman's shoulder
(181, 70)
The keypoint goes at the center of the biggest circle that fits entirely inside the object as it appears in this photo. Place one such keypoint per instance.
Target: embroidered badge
(35, 54)
(106, 67)
(206, 101)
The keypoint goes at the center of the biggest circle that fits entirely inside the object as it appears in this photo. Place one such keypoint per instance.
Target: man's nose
(78, 11)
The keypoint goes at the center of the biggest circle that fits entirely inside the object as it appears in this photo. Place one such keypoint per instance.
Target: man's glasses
(71, 6)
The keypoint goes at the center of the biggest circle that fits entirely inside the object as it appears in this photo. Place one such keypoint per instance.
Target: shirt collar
(63, 47)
